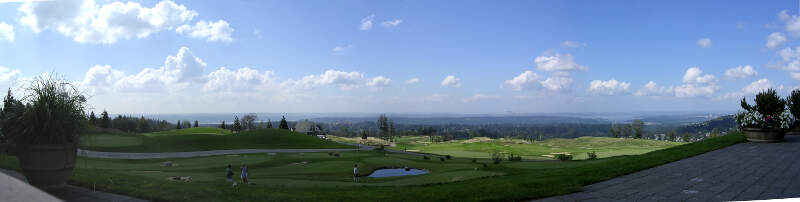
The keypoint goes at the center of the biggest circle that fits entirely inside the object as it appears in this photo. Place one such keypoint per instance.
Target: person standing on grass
(229, 173)
(244, 174)
(355, 173)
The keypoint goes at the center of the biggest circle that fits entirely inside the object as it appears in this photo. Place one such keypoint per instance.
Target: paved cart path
(124, 155)
(745, 171)
(73, 193)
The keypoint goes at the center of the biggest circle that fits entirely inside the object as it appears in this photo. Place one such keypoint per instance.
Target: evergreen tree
(237, 127)
(196, 124)
(613, 132)
(714, 132)
(269, 123)
(105, 122)
(638, 126)
(383, 125)
(223, 125)
(672, 135)
(391, 130)
(143, 126)
(283, 125)
(92, 118)
(686, 137)
(178, 125)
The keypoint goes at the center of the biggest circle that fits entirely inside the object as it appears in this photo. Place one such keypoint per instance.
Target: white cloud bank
(412, 81)
(392, 23)
(610, 87)
(775, 39)
(366, 22)
(557, 62)
(652, 89)
(87, 22)
(696, 84)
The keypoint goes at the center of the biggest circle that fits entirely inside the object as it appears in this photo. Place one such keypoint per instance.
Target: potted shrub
(793, 103)
(767, 120)
(43, 127)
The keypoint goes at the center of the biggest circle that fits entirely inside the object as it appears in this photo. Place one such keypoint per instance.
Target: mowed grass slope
(203, 139)
(284, 177)
(484, 147)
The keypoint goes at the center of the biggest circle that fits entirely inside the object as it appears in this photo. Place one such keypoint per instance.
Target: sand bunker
(299, 163)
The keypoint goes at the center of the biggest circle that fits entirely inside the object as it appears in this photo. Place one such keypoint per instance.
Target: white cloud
(571, 44)
(87, 22)
(775, 39)
(392, 23)
(557, 62)
(795, 75)
(527, 80)
(558, 83)
(451, 80)
(704, 43)
(379, 82)
(412, 81)
(366, 22)
(792, 22)
(178, 72)
(790, 59)
(696, 84)
(740, 72)
(694, 75)
(652, 89)
(211, 31)
(758, 86)
(610, 87)
(7, 31)
(345, 80)
(241, 80)
(341, 48)
(7, 74)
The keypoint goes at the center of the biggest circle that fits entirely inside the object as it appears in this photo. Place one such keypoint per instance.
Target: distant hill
(723, 123)
(472, 120)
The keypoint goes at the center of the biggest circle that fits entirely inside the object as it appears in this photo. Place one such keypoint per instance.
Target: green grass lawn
(284, 176)
(202, 139)
(484, 147)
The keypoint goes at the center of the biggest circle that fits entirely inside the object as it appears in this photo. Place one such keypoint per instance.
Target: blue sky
(361, 56)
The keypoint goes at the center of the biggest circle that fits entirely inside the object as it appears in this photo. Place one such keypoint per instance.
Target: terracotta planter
(763, 135)
(47, 166)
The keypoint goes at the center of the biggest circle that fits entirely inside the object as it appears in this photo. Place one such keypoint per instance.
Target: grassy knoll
(484, 147)
(202, 139)
(283, 176)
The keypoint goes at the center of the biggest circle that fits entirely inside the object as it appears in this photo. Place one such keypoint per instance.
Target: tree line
(248, 122)
(129, 124)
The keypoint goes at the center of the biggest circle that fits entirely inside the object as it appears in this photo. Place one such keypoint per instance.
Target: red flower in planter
(768, 118)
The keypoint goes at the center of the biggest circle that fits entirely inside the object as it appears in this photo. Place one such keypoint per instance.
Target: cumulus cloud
(412, 81)
(478, 97)
(6, 31)
(392, 23)
(789, 59)
(345, 80)
(740, 72)
(527, 80)
(7, 74)
(558, 83)
(379, 82)
(241, 80)
(366, 22)
(696, 84)
(610, 87)
(211, 31)
(451, 80)
(775, 39)
(652, 89)
(751, 89)
(87, 22)
(792, 22)
(704, 43)
(557, 62)
(178, 72)
(571, 44)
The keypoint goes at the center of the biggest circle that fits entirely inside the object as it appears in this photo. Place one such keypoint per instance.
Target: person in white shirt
(355, 173)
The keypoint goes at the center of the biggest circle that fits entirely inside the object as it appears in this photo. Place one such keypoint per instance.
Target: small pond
(394, 172)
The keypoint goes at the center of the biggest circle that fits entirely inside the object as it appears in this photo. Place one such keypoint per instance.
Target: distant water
(394, 172)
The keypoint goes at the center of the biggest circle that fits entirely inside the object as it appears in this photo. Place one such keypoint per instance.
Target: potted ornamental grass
(43, 127)
(767, 120)
(793, 103)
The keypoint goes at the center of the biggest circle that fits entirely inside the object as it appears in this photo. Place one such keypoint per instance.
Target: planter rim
(764, 129)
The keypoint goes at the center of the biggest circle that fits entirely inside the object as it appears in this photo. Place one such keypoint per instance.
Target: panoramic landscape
(169, 100)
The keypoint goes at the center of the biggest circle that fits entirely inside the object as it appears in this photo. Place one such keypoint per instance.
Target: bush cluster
(497, 157)
(426, 157)
(563, 157)
(512, 157)
(591, 155)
